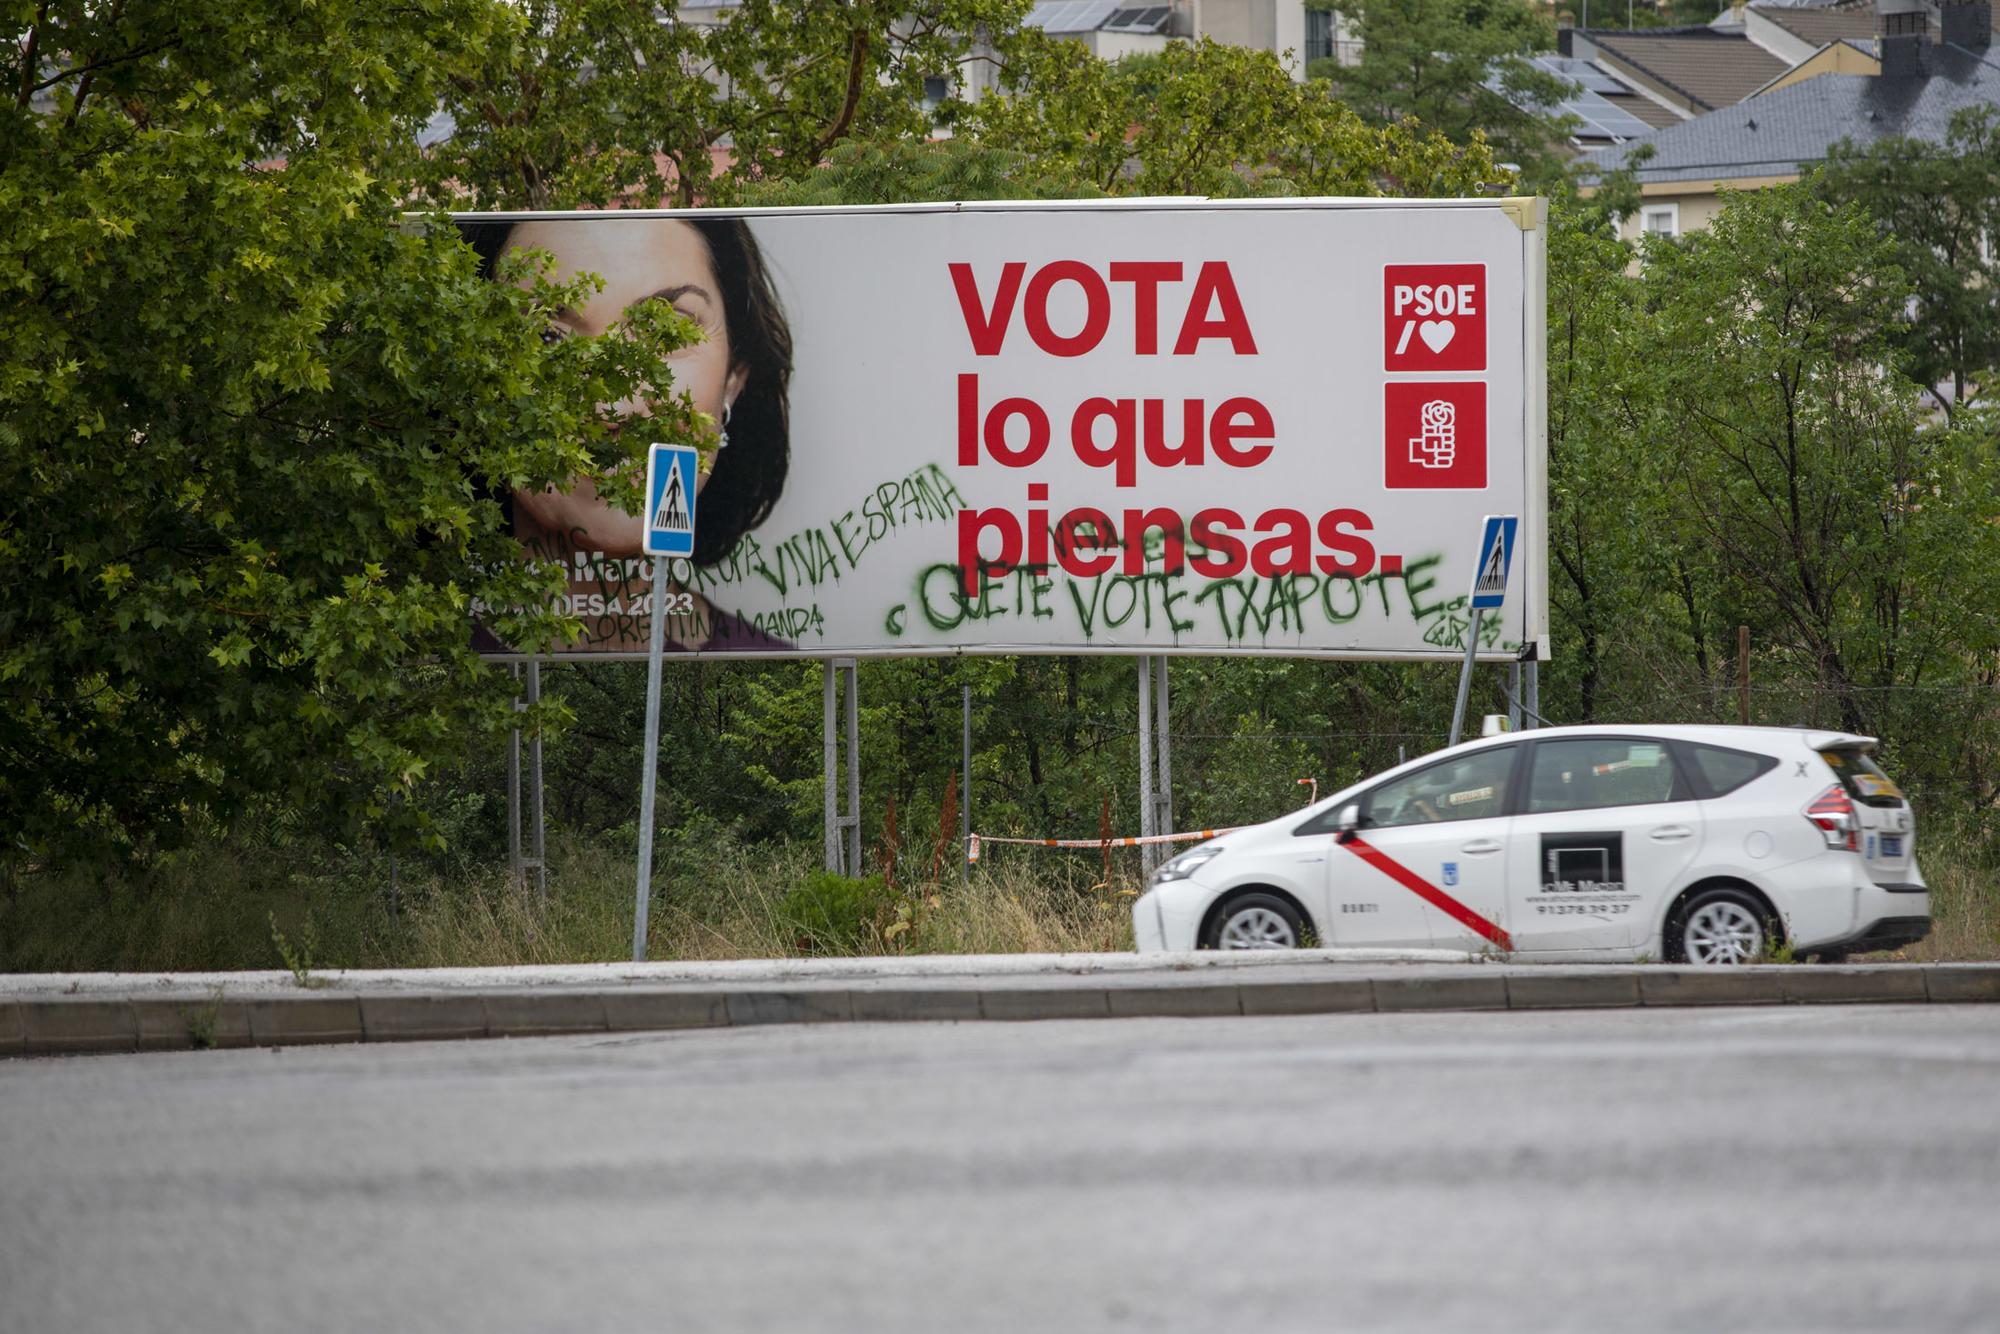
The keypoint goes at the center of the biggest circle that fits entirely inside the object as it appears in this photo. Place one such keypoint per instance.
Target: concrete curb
(52, 1025)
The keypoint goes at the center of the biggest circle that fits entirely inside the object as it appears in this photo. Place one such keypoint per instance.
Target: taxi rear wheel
(1255, 922)
(1721, 926)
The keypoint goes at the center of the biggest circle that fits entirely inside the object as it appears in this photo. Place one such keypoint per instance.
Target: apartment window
(936, 90)
(1319, 34)
(1660, 220)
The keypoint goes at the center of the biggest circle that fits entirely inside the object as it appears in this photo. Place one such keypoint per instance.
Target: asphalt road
(1776, 1168)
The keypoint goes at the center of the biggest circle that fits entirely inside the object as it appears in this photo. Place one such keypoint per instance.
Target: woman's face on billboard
(638, 259)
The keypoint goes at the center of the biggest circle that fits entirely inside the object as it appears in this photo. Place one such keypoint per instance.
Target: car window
(1469, 788)
(1862, 777)
(1725, 770)
(1593, 772)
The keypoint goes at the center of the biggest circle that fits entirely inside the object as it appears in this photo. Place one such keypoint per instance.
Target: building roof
(1701, 67)
(1605, 108)
(1824, 24)
(1794, 127)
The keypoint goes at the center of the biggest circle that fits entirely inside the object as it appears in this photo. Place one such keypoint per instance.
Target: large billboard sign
(1153, 426)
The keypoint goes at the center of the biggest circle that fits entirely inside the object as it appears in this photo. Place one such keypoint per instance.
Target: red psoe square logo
(1436, 436)
(1434, 317)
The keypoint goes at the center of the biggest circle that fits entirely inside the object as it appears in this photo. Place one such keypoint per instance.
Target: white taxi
(1708, 845)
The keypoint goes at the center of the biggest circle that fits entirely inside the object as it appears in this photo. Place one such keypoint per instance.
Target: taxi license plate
(1892, 845)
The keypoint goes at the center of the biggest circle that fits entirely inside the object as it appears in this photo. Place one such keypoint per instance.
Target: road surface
(1771, 1168)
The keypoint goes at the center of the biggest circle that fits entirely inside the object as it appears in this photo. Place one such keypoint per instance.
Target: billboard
(1136, 426)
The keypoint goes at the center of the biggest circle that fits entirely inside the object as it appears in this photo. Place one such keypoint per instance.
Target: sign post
(1489, 590)
(670, 493)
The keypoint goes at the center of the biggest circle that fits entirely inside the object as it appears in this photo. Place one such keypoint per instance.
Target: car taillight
(1833, 813)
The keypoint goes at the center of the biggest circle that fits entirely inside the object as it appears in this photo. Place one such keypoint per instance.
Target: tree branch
(857, 66)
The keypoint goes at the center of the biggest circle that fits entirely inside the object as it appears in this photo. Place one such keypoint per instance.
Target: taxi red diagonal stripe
(1425, 890)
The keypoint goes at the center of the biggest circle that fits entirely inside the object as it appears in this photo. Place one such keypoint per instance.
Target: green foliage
(257, 426)
(298, 959)
(1802, 454)
(1938, 206)
(1202, 118)
(1433, 61)
(836, 914)
(587, 102)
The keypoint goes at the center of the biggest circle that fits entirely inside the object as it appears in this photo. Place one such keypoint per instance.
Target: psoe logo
(1434, 435)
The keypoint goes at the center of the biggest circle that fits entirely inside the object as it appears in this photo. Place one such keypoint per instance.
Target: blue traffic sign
(1496, 557)
(670, 491)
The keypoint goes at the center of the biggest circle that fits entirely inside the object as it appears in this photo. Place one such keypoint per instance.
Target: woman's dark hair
(747, 477)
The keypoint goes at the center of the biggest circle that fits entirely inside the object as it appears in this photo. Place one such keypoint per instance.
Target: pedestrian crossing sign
(670, 492)
(1496, 557)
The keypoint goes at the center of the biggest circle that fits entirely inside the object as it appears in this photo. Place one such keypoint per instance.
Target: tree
(1208, 119)
(1938, 205)
(1604, 493)
(1848, 528)
(589, 102)
(1458, 66)
(254, 425)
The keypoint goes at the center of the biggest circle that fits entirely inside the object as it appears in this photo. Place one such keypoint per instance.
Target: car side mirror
(1347, 820)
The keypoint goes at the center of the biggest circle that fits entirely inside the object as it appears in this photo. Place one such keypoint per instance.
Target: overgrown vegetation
(211, 908)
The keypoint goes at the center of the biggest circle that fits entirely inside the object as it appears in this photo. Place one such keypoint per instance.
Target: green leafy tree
(254, 425)
(1938, 205)
(1843, 523)
(587, 102)
(1458, 66)
(1603, 480)
(1209, 119)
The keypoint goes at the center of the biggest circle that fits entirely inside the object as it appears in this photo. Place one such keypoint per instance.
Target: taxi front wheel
(1720, 926)
(1255, 922)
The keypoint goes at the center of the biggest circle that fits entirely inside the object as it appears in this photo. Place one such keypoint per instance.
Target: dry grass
(1965, 908)
(735, 909)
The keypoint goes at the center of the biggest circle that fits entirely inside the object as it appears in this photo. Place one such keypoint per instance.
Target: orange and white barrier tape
(972, 845)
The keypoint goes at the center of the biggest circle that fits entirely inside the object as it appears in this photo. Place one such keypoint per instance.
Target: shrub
(835, 914)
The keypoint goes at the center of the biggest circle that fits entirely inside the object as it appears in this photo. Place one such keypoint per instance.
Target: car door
(1607, 827)
(1427, 866)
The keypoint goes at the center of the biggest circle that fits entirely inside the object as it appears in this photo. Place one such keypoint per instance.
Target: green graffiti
(1022, 592)
(1240, 611)
(829, 551)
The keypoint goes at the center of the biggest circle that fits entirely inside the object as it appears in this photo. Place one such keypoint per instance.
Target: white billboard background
(861, 553)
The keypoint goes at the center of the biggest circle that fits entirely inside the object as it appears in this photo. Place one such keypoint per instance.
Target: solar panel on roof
(1148, 18)
(1071, 15)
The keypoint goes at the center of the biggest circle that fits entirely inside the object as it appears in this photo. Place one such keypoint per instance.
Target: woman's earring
(722, 436)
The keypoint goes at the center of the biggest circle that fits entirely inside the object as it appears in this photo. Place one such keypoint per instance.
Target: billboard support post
(514, 875)
(1163, 754)
(518, 861)
(1514, 695)
(1532, 682)
(1465, 677)
(829, 759)
(1156, 758)
(965, 788)
(853, 819)
(538, 825)
(1146, 808)
(841, 712)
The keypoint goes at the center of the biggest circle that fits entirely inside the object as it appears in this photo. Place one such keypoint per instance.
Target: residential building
(1932, 62)
(1114, 28)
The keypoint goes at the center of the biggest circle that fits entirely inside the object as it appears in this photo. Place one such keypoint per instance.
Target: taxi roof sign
(1496, 558)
